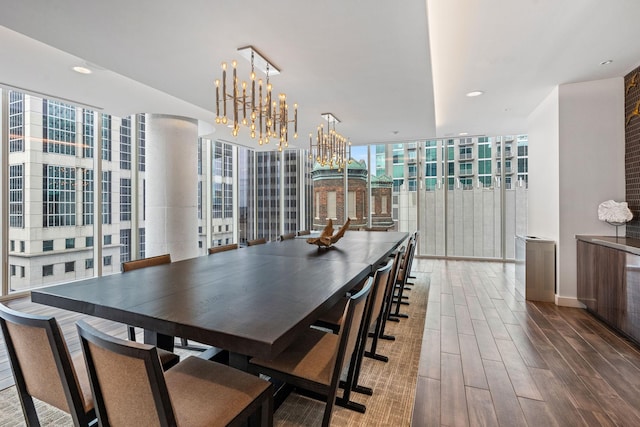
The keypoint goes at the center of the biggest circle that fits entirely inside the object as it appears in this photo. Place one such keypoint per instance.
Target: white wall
(582, 127)
(543, 214)
(591, 166)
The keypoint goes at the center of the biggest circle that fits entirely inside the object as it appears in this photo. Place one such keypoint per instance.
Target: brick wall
(632, 149)
(324, 186)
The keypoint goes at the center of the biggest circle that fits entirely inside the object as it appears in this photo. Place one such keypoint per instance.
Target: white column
(171, 187)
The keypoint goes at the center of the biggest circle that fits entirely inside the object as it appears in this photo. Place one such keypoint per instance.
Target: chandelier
(330, 148)
(265, 117)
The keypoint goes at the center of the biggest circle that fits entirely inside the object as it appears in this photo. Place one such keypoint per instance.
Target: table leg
(162, 341)
(239, 361)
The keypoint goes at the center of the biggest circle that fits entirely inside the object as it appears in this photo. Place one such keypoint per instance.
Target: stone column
(171, 216)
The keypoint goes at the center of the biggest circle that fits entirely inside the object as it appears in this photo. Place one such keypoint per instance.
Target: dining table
(253, 301)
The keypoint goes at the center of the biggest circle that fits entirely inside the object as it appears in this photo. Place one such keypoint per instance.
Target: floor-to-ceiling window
(52, 191)
(462, 193)
(72, 170)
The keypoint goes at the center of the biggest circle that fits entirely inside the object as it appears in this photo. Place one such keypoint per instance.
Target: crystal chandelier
(266, 117)
(330, 148)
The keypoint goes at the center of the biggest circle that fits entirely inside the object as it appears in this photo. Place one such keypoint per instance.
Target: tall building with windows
(280, 174)
(52, 171)
(459, 194)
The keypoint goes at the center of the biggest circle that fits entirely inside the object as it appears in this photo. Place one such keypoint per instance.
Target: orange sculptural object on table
(327, 238)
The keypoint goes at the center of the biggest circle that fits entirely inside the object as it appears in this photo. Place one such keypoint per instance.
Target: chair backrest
(348, 336)
(127, 380)
(146, 262)
(223, 248)
(376, 297)
(407, 261)
(255, 242)
(42, 367)
(304, 232)
(391, 284)
(287, 236)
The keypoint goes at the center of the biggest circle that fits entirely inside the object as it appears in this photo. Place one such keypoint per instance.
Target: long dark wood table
(253, 301)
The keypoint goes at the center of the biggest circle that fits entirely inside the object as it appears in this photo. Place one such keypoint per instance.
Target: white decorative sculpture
(614, 212)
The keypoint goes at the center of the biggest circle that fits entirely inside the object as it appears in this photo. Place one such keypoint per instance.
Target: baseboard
(569, 302)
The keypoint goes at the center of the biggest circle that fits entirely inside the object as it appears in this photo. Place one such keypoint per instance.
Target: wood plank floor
(489, 358)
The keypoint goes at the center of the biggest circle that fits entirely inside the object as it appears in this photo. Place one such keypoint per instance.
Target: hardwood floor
(490, 358)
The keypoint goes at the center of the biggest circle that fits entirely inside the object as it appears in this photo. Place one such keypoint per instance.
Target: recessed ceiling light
(463, 133)
(82, 70)
(607, 62)
(474, 93)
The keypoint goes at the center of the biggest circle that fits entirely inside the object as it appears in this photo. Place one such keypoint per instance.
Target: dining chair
(143, 263)
(287, 236)
(223, 248)
(332, 320)
(43, 369)
(401, 281)
(255, 242)
(146, 262)
(166, 356)
(131, 389)
(315, 361)
(416, 234)
(382, 314)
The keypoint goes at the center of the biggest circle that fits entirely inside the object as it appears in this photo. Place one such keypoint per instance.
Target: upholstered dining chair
(43, 369)
(316, 359)
(223, 248)
(401, 281)
(146, 262)
(373, 310)
(131, 389)
(382, 312)
(168, 359)
(287, 236)
(255, 242)
(143, 263)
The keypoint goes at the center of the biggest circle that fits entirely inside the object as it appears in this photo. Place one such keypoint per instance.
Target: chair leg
(355, 386)
(331, 398)
(29, 409)
(398, 301)
(132, 333)
(374, 344)
(352, 380)
(385, 318)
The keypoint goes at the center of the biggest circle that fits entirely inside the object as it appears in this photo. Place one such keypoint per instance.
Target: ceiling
(390, 71)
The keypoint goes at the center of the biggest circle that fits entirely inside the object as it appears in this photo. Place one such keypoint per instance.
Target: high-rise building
(53, 185)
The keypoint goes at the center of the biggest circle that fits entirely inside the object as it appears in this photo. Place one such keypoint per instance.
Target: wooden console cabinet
(609, 281)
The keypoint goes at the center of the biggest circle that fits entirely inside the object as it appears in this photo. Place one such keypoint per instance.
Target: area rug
(394, 383)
